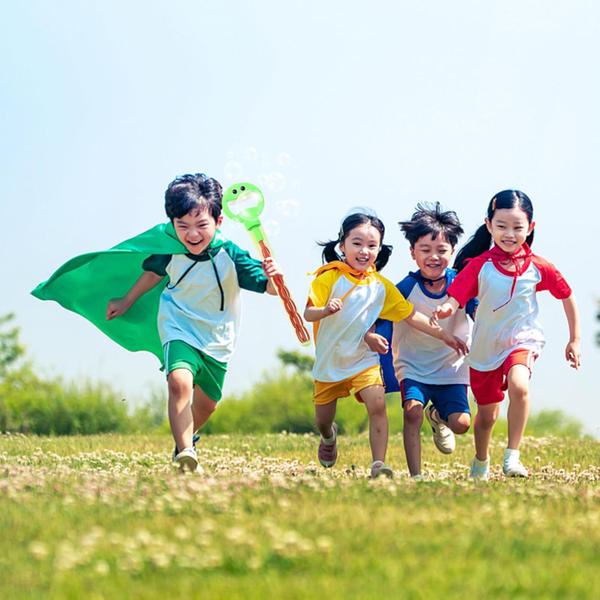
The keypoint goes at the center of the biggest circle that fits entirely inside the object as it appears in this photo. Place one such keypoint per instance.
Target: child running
(346, 298)
(184, 307)
(433, 379)
(507, 337)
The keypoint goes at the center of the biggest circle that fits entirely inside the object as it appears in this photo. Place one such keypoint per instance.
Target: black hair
(349, 223)
(482, 238)
(187, 192)
(430, 219)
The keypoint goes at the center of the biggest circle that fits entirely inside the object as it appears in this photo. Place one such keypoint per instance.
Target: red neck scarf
(520, 259)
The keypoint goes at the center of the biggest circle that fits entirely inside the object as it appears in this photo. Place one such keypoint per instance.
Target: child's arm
(443, 311)
(119, 306)
(572, 351)
(271, 268)
(313, 313)
(422, 323)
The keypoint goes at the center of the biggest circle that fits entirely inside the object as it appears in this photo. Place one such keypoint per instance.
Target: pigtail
(329, 254)
(478, 244)
(384, 255)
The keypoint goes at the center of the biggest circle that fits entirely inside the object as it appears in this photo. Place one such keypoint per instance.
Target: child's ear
(488, 224)
(412, 253)
(531, 227)
(219, 220)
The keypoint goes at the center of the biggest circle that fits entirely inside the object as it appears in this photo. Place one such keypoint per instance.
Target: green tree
(11, 349)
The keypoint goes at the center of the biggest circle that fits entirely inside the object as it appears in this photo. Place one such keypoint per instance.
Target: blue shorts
(447, 399)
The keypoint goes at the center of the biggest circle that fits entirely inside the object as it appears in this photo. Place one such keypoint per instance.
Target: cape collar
(520, 259)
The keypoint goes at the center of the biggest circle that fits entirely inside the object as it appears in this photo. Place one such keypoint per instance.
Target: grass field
(108, 517)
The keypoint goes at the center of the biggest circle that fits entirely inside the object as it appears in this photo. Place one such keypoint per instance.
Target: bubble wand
(243, 202)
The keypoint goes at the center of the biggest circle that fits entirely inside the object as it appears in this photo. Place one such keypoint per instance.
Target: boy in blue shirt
(432, 378)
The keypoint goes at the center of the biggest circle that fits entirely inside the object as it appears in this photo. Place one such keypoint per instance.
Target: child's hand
(271, 268)
(116, 308)
(441, 312)
(333, 306)
(455, 343)
(377, 343)
(573, 354)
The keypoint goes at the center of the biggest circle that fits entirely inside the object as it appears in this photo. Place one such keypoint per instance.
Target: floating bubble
(233, 169)
(251, 153)
(284, 159)
(288, 208)
(276, 181)
(272, 227)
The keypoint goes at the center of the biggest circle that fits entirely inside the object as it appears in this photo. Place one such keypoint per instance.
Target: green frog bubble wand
(243, 202)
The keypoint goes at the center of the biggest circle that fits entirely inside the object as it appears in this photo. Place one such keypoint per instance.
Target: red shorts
(488, 386)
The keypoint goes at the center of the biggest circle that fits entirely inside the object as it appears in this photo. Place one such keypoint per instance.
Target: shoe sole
(187, 463)
(327, 463)
(385, 472)
(434, 429)
(516, 474)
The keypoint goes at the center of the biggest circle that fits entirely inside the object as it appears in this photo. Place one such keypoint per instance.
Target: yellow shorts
(328, 391)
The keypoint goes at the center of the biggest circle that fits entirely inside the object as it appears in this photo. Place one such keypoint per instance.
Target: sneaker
(328, 451)
(187, 460)
(512, 465)
(379, 468)
(443, 436)
(480, 469)
(417, 477)
(195, 438)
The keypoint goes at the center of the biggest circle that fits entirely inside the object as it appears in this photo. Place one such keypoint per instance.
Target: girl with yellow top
(346, 297)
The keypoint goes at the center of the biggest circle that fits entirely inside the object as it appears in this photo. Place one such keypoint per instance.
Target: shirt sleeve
(157, 263)
(321, 286)
(395, 307)
(249, 270)
(552, 279)
(466, 283)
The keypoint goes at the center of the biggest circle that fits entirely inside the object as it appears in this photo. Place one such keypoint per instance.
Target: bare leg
(324, 416)
(459, 422)
(374, 399)
(202, 407)
(484, 423)
(411, 434)
(518, 408)
(181, 382)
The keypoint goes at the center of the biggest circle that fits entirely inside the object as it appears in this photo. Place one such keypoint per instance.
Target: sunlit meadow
(108, 517)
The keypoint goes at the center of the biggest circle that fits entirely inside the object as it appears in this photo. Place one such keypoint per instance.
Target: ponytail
(329, 254)
(383, 256)
(479, 243)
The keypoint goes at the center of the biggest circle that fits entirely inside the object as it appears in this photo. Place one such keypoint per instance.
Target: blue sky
(326, 105)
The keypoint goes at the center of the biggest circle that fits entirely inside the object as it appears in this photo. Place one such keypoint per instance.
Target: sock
(511, 453)
(481, 463)
(330, 440)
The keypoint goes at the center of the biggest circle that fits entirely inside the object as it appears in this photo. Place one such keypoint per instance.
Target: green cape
(86, 283)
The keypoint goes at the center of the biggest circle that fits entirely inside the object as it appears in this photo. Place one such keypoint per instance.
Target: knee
(377, 408)
(459, 423)
(487, 418)
(413, 415)
(519, 393)
(178, 386)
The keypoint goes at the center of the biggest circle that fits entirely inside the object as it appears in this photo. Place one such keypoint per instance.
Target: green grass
(107, 517)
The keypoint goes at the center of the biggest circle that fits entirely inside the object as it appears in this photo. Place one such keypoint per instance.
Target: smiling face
(196, 229)
(509, 228)
(361, 246)
(432, 255)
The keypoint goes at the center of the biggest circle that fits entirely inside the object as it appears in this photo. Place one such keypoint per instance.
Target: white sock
(330, 440)
(481, 463)
(511, 453)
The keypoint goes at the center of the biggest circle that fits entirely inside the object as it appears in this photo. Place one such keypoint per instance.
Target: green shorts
(208, 372)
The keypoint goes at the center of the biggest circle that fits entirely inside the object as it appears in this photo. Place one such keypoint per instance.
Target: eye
(234, 191)
(243, 188)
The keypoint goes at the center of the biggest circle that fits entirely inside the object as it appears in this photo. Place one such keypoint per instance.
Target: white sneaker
(512, 465)
(379, 468)
(187, 460)
(480, 469)
(443, 436)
